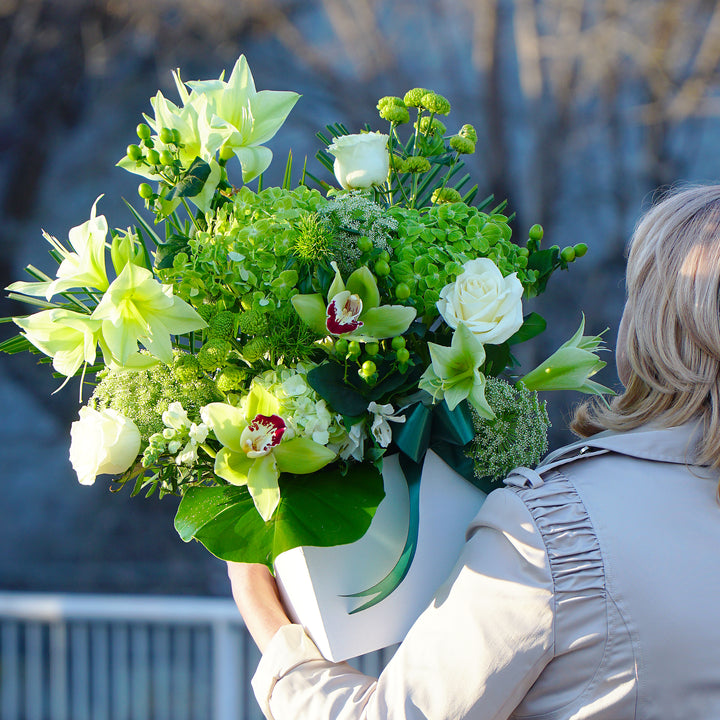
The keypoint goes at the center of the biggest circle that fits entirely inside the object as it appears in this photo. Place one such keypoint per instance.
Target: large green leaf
(533, 325)
(192, 181)
(321, 509)
(329, 382)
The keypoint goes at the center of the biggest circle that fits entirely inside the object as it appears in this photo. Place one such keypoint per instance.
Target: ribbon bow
(446, 432)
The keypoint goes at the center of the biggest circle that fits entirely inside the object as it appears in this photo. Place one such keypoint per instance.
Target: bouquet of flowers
(258, 352)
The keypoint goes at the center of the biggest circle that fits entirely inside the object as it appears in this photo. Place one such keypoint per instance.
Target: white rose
(483, 300)
(102, 442)
(361, 160)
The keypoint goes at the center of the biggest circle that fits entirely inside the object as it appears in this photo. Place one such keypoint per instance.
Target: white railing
(128, 657)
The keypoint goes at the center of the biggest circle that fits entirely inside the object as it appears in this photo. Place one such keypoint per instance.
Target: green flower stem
(190, 214)
(208, 450)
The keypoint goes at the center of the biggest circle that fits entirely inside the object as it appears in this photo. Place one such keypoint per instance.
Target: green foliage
(322, 509)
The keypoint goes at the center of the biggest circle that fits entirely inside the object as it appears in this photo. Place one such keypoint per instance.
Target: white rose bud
(361, 160)
(102, 442)
(489, 304)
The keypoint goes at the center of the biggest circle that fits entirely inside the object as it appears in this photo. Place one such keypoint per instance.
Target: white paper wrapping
(312, 580)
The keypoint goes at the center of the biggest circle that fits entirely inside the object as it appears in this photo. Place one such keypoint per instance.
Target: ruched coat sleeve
(474, 653)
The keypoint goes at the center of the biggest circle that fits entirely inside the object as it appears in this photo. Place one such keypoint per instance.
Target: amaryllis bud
(343, 313)
(262, 435)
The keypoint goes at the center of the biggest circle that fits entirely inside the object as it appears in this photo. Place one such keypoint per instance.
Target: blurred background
(584, 108)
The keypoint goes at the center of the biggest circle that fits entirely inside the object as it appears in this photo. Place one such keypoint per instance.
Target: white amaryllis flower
(380, 427)
(487, 303)
(361, 160)
(102, 442)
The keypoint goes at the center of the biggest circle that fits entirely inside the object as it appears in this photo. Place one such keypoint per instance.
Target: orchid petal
(312, 311)
(363, 283)
(263, 485)
(232, 466)
(387, 320)
(302, 456)
(227, 422)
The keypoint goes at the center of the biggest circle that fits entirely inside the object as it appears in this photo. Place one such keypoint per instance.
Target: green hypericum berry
(176, 136)
(148, 143)
(364, 244)
(382, 268)
(568, 254)
(143, 131)
(462, 145)
(402, 355)
(445, 195)
(580, 249)
(166, 158)
(435, 103)
(354, 349)
(341, 346)
(398, 342)
(413, 98)
(469, 132)
(145, 191)
(368, 368)
(417, 164)
(153, 157)
(536, 233)
(134, 152)
(384, 255)
(166, 135)
(372, 348)
(402, 291)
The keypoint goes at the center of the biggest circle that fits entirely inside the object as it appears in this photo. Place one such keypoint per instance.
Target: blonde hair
(672, 343)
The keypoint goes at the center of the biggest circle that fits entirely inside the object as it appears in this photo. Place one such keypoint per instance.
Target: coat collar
(649, 442)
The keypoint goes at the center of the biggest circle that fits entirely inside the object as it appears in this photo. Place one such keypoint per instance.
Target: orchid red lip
(343, 313)
(262, 435)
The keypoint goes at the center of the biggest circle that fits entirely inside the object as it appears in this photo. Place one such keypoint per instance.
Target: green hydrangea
(516, 437)
(143, 396)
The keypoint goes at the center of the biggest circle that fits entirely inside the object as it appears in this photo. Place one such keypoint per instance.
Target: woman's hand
(258, 600)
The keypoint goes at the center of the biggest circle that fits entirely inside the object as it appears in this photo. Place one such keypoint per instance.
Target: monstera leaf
(322, 509)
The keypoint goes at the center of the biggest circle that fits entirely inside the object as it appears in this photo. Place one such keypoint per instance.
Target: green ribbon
(446, 432)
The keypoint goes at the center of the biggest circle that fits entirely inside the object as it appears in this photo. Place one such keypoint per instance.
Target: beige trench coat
(589, 588)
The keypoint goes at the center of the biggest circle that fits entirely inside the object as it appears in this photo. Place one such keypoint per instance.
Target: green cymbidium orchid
(370, 320)
(455, 372)
(254, 452)
(570, 366)
(137, 308)
(69, 338)
(246, 118)
(83, 266)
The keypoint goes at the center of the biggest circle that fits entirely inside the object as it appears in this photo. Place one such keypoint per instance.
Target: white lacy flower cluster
(181, 437)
